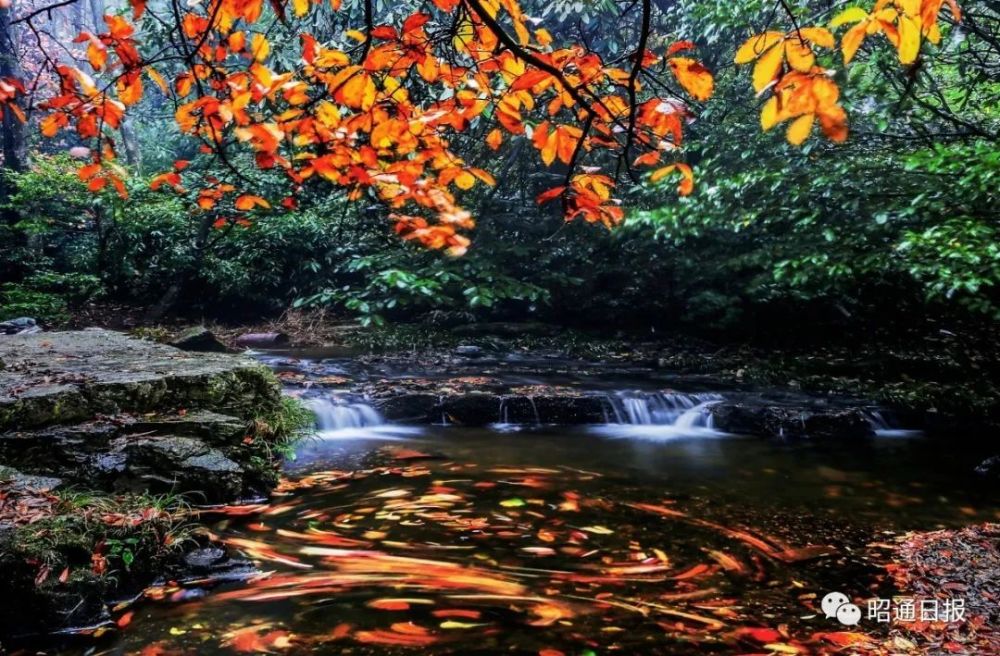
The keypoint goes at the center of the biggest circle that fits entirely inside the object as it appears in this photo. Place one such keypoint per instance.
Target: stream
(650, 533)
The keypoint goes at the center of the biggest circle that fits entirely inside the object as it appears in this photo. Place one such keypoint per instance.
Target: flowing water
(653, 533)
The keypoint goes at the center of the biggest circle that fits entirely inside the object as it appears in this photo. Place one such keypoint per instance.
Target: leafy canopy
(375, 109)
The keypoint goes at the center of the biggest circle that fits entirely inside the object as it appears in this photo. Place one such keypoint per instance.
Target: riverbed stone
(200, 340)
(61, 377)
(790, 422)
(414, 408)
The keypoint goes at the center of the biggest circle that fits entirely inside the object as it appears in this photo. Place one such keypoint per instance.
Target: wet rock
(989, 468)
(791, 422)
(17, 480)
(204, 558)
(263, 340)
(469, 350)
(410, 407)
(474, 409)
(199, 339)
(209, 565)
(66, 377)
(479, 409)
(181, 465)
(19, 326)
(569, 409)
(211, 426)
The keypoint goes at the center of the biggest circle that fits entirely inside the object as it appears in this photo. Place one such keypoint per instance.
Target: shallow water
(620, 538)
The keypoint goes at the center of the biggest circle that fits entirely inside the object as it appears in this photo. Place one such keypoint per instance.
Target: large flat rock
(64, 377)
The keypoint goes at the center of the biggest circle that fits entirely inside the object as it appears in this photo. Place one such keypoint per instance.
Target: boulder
(199, 339)
(410, 407)
(791, 422)
(14, 479)
(179, 465)
(19, 326)
(67, 377)
(473, 409)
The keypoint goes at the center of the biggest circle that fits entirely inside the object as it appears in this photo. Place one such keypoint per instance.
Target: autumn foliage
(376, 113)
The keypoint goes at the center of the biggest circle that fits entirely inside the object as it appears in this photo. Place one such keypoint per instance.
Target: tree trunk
(133, 152)
(183, 277)
(15, 150)
(97, 14)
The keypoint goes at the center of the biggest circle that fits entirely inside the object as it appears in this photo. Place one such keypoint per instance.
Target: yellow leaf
(910, 7)
(301, 7)
(547, 143)
(328, 114)
(543, 36)
(767, 68)
(799, 130)
(818, 36)
(755, 46)
(465, 180)
(452, 624)
(155, 76)
(97, 54)
(851, 41)
(769, 114)
(259, 47)
(909, 39)
(849, 15)
(129, 89)
(248, 202)
(686, 185)
(799, 54)
(661, 173)
(597, 530)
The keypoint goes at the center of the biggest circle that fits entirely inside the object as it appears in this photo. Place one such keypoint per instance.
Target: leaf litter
(440, 556)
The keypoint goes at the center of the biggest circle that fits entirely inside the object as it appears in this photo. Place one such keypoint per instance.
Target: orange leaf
(695, 78)
(97, 54)
(546, 196)
(89, 171)
(679, 46)
(247, 202)
(494, 139)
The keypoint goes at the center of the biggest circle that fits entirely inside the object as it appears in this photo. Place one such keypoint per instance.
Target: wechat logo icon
(838, 605)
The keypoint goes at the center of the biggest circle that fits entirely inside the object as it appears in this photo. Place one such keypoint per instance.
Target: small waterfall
(663, 409)
(659, 415)
(885, 425)
(337, 413)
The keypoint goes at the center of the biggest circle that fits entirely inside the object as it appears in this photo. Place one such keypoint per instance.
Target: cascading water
(660, 414)
(334, 413)
(348, 416)
(885, 425)
(662, 408)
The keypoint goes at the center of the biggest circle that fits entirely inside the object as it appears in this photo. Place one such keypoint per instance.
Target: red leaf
(546, 196)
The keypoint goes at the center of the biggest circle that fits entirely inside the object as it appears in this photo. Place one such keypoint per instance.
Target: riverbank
(75, 540)
(943, 382)
(106, 442)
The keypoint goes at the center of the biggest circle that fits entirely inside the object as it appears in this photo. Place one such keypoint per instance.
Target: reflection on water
(651, 534)
(549, 540)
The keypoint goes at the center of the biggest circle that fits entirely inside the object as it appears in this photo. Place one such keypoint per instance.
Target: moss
(150, 527)
(59, 569)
